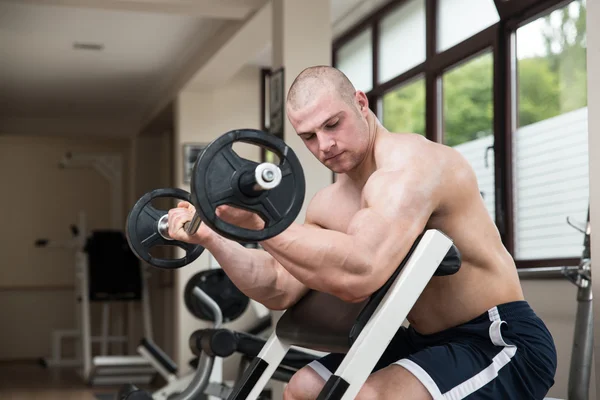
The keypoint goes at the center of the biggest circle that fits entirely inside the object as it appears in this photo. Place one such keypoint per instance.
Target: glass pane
(404, 108)
(460, 19)
(402, 40)
(355, 59)
(270, 157)
(551, 54)
(469, 119)
(550, 146)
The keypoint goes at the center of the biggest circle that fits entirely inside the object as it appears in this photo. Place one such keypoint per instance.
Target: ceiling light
(88, 46)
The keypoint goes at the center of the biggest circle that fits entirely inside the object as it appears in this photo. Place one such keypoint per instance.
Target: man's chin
(338, 169)
(335, 166)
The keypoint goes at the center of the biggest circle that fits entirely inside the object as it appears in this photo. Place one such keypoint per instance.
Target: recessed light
(88, 46)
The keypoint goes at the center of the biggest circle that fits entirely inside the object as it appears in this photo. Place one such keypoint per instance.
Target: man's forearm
(323, 259)
(255, 272)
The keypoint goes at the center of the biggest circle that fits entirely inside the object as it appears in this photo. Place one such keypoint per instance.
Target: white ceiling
(151, 49)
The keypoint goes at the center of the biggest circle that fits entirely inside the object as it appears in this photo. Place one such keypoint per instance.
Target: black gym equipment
(147, 228)
(221, 177)
(214, 282)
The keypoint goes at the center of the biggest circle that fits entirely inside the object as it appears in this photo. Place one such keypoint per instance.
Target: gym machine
(76, 244)
(583, 339)
(99, 256)
(214, 342)
(362, 331)
(230, 302)
(108, 257)
(320, 322)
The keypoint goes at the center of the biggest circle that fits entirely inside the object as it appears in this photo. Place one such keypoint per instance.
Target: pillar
(302, 37)
(593, 60)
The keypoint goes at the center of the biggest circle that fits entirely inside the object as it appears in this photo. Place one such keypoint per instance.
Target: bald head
(318, 80)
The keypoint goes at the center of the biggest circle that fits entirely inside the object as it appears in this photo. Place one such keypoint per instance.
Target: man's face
(333, 130)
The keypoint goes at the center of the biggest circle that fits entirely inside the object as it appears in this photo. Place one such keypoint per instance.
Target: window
(551, 54)
(403, 108)
(449, 95)
(460, 19)
(469, 119)
(355, 59)
(550, 149)
(402, 40)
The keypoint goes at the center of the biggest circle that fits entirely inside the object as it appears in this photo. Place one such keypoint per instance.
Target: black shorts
(505, 353)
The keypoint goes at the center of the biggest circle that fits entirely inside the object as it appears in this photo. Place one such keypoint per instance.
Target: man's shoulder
(415, 163)
(404, 152)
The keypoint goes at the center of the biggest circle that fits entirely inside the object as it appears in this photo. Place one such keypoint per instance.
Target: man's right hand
(184, 212)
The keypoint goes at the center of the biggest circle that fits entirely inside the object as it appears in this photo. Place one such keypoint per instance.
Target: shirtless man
(470, 334)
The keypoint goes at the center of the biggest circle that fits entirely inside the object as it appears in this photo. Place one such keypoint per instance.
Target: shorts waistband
(506, 312)
(515, 309)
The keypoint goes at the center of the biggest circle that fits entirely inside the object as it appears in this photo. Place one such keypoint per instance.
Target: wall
(151, 160)
(202, 116)
(555, 302)
(593, 64)
(40, 200)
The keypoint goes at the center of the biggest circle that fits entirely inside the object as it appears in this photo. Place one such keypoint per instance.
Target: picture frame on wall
(276, 102)
(191, 151)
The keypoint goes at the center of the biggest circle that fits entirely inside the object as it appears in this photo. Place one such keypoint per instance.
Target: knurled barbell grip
(190, 226)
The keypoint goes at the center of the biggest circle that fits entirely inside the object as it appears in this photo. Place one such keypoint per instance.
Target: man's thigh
(392, 382)
(399, 347)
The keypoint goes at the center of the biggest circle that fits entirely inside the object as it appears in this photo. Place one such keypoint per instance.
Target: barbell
(220, 176)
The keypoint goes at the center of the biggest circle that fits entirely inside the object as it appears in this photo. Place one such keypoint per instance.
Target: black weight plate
(216, 174)
(216, 284)
(143, 235)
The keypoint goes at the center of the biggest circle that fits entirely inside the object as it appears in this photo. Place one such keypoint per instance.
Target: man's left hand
(239, 217)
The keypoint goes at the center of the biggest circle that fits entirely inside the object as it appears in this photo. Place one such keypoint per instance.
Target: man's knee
(369, 391)
(304, 385)
(393, 382)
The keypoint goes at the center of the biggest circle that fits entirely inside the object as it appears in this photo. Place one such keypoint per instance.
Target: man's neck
(363, 171)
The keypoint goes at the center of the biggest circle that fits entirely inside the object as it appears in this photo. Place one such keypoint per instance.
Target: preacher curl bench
(325, 323)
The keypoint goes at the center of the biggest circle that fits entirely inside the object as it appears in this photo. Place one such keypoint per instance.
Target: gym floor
(29, 381)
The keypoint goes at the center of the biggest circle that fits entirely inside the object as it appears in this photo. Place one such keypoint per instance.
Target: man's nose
(326, 144)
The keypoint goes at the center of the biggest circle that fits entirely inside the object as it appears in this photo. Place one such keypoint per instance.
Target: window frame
(518, 18)
(500, 40)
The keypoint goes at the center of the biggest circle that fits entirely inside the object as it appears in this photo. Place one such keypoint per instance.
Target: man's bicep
(402, 197)
(397, 211)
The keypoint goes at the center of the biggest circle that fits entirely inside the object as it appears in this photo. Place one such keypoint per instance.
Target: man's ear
(362, 100)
